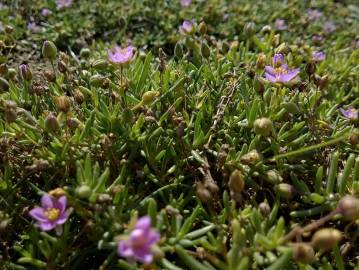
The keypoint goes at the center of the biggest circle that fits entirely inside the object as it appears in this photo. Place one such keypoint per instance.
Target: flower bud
(10, 111)
(349, 207)
(3, 69)
(283, 49)
(25, 72)
(286, 191)
(51, 123)
(85, 53)
(8, 29)
(273, 177)
(303, 253)
(261, 61)
(264, 208)
(49, 50)
(97, 80)
(249, 29)
(83, 191)
(178, 52)
(353, 138)
(4, 85)
(149, 96)
(11, 73)
(202, 28)
(326, 238)
(266, 29)
(251, 158)
(310, 67)
(205, 50)
(236, 182)
(72, 123)
(263, 126)
(100, 65)
(63, 103)
(79, 97)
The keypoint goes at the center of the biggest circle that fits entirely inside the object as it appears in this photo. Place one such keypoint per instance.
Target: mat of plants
(179, 134)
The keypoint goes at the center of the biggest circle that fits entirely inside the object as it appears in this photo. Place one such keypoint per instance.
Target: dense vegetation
(179, 134)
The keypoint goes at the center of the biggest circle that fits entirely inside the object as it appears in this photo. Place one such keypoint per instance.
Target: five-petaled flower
(350, 113)
(280, 72)
(313, 15)
(121, 55)
(187, 27)
(52, 212)
(186, 3)
(279, 24)
(140, 241)
(63, 3)
(318, 56)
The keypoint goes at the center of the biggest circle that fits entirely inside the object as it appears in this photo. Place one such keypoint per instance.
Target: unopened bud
(353, 138)
(273, 177)
(236, 182)
(205, 50)
(251, 158)
(97, 80)
(261, 61)
(49, 50)
(72, 123)
(11, 73)
(310, 67)
(51, 123)
(349, 207)
(4, 85)
(249, 29)
(282, 49)
(303, 253)
(63, 103)
(266, 29)
(25, 72)
(83, 191)
(263, 126)
(79, 97)
(326, 238)
(100, 65)
(264, 208)
(85, 53)
(178, 51)
(286, 191)
(202, 28)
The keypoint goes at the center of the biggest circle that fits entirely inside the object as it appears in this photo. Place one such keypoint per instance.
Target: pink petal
(47, 201)
(143, 223)
(38, 214)
(47, 226)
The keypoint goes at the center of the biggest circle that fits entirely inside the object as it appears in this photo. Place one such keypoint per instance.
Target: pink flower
(329, 27)
(279, 24)
(187, 27)
(121, 56)
(138, 245)
(186, 3)
(280, 72)
(63, 3)
(313, 15)
(52, 212)
(33, 27)
(318, 56)
(350, 113)
(46, 12)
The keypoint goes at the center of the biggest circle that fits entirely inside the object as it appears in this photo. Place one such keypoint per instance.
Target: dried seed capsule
(303, 253)
(261, 61)
(326, 238)
(203, 193)
(263, 126)
(349, 207)
(49, 50)
(79, 97)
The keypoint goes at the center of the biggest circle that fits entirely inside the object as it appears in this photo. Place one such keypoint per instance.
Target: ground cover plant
(201, 135)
